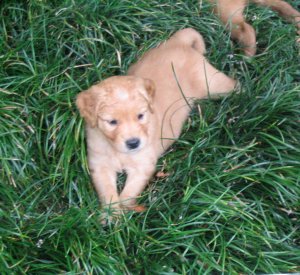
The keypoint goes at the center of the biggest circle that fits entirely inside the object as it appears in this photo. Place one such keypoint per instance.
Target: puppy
(231, 14)
(131, 120)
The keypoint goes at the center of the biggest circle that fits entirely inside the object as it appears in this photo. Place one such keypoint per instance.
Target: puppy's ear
(86, 102)
(150, 89)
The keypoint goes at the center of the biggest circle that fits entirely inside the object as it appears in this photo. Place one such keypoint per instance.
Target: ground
(229, 201)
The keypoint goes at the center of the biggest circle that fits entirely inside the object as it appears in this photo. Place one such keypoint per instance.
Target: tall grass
(230, 203)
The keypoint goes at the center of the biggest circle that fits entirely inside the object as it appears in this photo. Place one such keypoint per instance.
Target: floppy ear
(150, 89)
(86, 102)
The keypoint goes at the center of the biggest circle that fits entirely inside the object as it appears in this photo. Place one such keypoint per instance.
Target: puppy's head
(121, 108)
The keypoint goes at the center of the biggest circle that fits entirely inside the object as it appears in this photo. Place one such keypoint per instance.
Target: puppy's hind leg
(217, 84)
(189, 37)
(245, 35)
(231, 14)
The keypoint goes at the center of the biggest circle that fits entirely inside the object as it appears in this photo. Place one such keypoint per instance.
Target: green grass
(231, 202)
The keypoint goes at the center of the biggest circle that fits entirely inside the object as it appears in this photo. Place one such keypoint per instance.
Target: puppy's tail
(190, 37)
(284, 9)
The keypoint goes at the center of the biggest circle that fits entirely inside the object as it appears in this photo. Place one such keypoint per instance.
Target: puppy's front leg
(135, 184)
(104, 180)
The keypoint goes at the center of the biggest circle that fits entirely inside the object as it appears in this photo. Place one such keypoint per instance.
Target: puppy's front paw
(130, 204)
(137, 208)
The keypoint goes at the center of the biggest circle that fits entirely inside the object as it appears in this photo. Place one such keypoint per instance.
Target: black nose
(132, 143)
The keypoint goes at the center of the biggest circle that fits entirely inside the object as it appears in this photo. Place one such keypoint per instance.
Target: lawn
(230, 200)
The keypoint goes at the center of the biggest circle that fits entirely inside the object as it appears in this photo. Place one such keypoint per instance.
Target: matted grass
(231, 201)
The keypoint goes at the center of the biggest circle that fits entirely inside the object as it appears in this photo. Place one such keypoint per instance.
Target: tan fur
(231, 14)
(149, 88)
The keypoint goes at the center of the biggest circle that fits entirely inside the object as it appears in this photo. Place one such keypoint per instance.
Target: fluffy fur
(131, 120)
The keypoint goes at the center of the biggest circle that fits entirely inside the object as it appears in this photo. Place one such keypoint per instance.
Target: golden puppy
(131, 120)
(231, 14)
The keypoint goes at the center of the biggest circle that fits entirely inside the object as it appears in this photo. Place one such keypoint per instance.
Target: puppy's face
(120, 107)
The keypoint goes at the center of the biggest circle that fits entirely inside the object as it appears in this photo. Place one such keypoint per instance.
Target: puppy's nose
(133, 143)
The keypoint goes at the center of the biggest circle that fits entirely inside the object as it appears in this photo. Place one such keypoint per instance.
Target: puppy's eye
(112, 122)
(140, 116)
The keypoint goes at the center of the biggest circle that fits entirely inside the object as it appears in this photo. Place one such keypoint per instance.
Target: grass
(231, 201)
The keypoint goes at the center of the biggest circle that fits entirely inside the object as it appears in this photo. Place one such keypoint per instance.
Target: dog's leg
(284, 9)
(104, 180)
(231, 14)
(134, 186)
(189, 37)
(245, 35)
(217, 83)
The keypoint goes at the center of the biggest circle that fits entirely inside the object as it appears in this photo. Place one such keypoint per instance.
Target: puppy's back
(174, 50)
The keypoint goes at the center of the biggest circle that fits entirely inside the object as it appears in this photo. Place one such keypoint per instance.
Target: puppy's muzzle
(133, 143)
